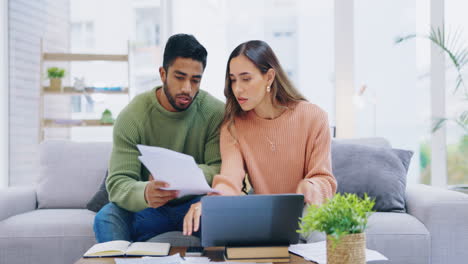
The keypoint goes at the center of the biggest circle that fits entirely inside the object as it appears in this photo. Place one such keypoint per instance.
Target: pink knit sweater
(278, 154)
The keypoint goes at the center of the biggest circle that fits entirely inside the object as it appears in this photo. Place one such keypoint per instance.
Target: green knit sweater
(194, 131)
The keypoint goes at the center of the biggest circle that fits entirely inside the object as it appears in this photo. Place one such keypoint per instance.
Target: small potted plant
(106, 118)
(343, 219)
(55, 75)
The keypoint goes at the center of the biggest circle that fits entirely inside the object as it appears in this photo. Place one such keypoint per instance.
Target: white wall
(389, 71)
(4, 105)
(316, 54)
(29, 21)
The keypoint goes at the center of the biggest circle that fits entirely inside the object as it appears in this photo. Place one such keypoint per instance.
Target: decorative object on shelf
(55, 75)
(78, 88)
(344, 219)
(79, 84)
(108, 89)
(106, 117)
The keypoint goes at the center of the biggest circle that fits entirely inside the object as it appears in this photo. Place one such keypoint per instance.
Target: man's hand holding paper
(178, 170)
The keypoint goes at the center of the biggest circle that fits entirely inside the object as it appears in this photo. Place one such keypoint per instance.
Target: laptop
(251, 220)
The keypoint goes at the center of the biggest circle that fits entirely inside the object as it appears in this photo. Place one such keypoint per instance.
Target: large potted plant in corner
(344, 220)
(55, 76)
(456, 49)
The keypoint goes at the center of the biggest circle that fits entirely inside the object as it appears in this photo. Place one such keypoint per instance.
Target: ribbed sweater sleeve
(229, 181)
(212, 156)
(318, 162)
(124, 183)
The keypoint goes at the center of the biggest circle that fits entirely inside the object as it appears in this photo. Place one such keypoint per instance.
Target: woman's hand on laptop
(304, 189)
(192, 219)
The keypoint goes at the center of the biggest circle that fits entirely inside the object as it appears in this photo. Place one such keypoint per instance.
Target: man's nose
(187, 87)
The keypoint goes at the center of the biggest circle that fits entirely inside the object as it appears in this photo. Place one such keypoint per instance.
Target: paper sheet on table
(174, 259)
(317, 252)
(178, 169)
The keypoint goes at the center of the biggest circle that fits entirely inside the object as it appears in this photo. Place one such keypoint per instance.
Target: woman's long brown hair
(282, 93)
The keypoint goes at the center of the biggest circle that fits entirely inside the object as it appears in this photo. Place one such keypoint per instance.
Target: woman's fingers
(188, 220)
(192, 219)
(196, 218)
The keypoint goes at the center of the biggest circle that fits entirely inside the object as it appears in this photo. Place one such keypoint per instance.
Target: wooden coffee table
(215, 254)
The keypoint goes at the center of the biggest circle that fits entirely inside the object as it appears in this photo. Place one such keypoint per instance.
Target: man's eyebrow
(185, 74)
(181, 73)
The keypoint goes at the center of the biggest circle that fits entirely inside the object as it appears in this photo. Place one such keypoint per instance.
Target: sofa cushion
(378, 171)
(50, 236)
(70, 172)
(400, 237)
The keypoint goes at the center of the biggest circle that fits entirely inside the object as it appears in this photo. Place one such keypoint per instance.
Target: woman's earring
(268, 89)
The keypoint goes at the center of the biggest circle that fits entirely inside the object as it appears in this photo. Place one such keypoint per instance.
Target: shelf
(67, 123)
(84, 57)
(68, 90)
(54, 96)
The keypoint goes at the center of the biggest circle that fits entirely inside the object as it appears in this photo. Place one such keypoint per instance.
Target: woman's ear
(270, 75)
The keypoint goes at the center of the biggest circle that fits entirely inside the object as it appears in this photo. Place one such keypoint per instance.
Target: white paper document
(178, 169)
(317, 252)
(174, 259)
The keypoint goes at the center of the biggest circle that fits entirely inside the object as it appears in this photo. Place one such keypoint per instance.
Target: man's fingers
(159, 184)
(162, 200)
(155, 204)
(165, 193)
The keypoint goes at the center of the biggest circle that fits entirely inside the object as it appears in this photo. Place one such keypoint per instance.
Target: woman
(269, 132)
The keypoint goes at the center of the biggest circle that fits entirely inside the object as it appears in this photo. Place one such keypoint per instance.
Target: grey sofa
(49, 224)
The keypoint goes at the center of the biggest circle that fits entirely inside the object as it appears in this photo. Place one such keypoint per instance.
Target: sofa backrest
(374, 141)
(70, 172)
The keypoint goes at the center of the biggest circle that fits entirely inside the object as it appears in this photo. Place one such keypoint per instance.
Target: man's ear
(270, 74)
(162, 74)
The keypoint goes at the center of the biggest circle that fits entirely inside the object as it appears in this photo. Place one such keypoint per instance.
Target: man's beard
(172, 101)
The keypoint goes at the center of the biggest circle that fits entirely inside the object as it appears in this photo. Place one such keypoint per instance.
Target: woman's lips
(242, 100)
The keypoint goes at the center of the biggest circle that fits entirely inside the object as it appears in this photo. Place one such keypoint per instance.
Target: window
(4, 95)
(147, 26)
(456, 102)
(389, 73)
(300, 32)
(82, 36)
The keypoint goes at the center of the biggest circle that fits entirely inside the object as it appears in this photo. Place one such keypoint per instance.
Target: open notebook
(124, 248)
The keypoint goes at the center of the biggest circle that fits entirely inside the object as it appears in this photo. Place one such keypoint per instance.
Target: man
(177, 116)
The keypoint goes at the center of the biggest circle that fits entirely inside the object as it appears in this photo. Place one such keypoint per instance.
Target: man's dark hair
(185, 46)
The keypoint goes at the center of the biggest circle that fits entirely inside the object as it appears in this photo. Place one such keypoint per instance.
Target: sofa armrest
(444, 214)
(16, 200)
